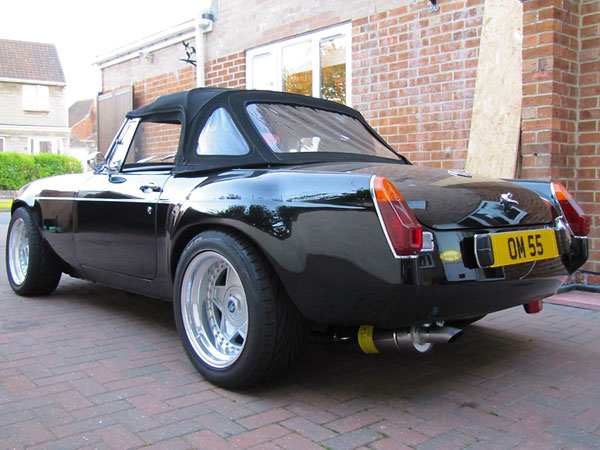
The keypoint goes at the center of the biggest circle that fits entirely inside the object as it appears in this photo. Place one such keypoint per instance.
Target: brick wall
(147, 90)
(85, 129)
(588, 127)
(228, 71)
(561, 97)
(414, 78)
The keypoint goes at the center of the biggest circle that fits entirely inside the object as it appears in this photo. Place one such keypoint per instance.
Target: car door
(116, 212)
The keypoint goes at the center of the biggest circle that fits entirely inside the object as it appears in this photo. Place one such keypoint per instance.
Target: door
(116, 209)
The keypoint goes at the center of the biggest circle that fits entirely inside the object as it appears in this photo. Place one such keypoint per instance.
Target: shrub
(17, 170)
(48, 164)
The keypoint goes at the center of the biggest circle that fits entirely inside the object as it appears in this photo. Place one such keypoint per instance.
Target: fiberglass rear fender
(320, 231)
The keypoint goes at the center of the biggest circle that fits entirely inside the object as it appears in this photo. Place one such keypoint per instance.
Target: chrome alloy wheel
(18, 251)
(214, 309)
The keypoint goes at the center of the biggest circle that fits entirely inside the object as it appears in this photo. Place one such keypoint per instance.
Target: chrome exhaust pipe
(419, 338)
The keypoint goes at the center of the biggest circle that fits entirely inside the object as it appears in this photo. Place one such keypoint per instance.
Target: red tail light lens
(578, 221)
(402, 229)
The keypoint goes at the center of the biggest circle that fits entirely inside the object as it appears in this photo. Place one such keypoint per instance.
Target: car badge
(507, 200)
(459, 173)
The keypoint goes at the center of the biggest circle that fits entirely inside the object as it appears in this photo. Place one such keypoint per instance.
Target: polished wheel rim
(214, 309)
(18, 251)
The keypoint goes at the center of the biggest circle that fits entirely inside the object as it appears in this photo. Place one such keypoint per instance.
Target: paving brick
(170, 431)
(353, 439)
(220, 425)
(265, 418)
(31, 432)
(118, 437)
(258, 436)
(309, 429)
(296, 442)
(401, 435)
(208, 440)
(512, 381)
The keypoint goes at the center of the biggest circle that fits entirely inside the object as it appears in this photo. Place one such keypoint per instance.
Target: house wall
(588, 129)
(12, 114)
(413, 77)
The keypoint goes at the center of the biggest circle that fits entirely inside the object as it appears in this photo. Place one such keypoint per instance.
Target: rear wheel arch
(186, 236)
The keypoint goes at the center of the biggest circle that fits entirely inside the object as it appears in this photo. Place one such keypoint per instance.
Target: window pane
(36, 98)
(1, 144)
(332, 54)
(154, 143)
(300, 129)
(263, 71)
(220, 136)
(297, 68)
(45, 146)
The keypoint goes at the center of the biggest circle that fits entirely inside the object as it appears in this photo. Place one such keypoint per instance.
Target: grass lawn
(5, 204)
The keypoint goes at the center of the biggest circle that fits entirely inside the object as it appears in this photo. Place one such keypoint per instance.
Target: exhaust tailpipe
(367, 339)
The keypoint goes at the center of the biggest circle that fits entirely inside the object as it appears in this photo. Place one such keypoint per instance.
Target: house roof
(79, 111)
(30, 61)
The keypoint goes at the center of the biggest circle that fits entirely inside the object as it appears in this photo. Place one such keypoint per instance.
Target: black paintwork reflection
(448, 201)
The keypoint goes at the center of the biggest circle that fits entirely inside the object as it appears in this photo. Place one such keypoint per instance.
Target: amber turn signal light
(579, 222)
(401, 227)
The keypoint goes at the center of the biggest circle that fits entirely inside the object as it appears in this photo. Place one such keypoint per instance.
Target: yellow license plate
(523, 246)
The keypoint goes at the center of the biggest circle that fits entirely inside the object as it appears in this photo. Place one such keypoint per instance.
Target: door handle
(150, 187)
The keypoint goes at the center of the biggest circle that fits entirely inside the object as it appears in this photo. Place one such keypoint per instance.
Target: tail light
(577, 219)
(402, 230)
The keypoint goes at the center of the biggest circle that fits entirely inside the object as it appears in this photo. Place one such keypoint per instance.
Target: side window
(154, 143)
(220, 136)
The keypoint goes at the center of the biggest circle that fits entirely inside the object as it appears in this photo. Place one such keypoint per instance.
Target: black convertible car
(266, 216)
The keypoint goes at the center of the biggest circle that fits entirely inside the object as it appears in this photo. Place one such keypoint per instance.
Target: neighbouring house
(33, 109)
(84, 135)
(502, 88)
(82, 121)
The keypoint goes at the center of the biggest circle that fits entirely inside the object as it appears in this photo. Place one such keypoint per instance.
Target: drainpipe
(204, 24)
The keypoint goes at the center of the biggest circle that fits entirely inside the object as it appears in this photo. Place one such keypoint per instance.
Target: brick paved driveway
(96, 368)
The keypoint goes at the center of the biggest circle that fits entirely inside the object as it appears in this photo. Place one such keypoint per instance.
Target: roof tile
(33, 61)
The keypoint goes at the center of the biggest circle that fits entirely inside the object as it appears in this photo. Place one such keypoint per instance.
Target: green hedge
(17, 169)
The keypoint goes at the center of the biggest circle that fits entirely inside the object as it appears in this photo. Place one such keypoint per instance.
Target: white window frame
(34, 145)
(2, 144)
(36, 97)
(316, 37)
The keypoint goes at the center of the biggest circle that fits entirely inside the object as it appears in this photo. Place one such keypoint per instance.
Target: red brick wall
(550, 68)
(87, 127)
(148, 90)
(414, 77)
(228, 71)
(561, 97)
(588, 148)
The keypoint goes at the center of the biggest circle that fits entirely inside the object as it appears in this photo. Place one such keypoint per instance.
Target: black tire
(462, 323)
(31, 270)
(268, 343)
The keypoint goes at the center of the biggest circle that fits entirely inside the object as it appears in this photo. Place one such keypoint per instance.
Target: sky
(82, 30)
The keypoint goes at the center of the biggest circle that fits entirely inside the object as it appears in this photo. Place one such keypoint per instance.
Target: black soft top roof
(188, 102)
(194, 106)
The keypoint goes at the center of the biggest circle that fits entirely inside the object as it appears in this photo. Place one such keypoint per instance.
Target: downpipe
(419, 338)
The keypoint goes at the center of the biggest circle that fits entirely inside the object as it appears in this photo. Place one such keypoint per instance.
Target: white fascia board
(151, 43)
(8, 127)
(39, 82)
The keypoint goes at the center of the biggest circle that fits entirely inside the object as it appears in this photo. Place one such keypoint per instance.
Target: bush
(17, 170)
(48, 164)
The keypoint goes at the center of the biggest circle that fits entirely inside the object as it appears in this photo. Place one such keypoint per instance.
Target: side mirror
(96, 161)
